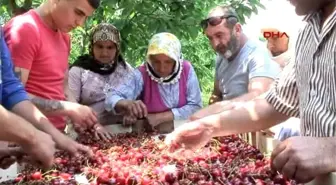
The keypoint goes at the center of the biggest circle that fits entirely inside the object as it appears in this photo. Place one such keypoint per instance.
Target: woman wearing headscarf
(92, 75)
(163, 89)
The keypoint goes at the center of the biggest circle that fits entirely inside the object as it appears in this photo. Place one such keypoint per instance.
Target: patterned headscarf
(105, 32)
(167, 44)
(102, 32)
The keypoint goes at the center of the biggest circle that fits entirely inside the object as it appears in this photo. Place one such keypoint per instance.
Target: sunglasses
(214, 21)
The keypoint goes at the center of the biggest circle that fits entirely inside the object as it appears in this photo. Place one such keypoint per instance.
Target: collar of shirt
(320, 31)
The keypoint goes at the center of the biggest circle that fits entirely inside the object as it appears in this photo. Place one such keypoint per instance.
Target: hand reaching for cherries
(190, 136)
(9, 155)
(102, 133)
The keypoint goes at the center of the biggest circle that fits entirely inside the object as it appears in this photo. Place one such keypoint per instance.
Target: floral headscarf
(168, 44)
(102, 32)
(105, 32)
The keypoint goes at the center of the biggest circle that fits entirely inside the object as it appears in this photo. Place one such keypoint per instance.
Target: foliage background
(138, 20)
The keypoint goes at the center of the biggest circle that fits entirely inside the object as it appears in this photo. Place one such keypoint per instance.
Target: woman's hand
(134, 108)
(102, 133)
(129, 120)
(153, 120)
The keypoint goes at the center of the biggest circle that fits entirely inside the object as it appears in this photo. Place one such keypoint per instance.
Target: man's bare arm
(28, 111)
(257, 86)
(22, 74)
(68, 93)
(78, 114)
(216, 95)
(14, 128)
(250, 116)
(48, 107)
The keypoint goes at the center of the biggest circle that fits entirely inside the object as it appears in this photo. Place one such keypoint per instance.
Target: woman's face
(104, 51)
(162, 64)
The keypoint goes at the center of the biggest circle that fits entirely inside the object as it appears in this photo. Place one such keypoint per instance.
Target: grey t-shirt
(252, 61)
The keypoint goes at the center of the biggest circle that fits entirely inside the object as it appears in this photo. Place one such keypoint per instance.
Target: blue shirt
(252, 61)
(132, 88)
(11, 88)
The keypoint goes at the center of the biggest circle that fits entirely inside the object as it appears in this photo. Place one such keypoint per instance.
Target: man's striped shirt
(307, 86)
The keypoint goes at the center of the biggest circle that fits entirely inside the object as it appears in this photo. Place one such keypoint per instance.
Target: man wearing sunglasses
(244, 68)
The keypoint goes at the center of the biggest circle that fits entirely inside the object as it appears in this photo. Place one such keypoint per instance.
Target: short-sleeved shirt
(36, 47)
(307, 86)
(253, 60)
(11, 89)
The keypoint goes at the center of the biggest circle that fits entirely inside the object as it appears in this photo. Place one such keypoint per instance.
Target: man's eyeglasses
(214, 21)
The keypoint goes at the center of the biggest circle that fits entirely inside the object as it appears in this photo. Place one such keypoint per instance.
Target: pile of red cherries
(143, 159)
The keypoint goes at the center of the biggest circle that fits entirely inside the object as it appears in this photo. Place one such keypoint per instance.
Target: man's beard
(231, 49)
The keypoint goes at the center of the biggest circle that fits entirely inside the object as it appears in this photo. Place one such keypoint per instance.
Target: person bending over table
(165, 88)
(17, 115)
(92, 75)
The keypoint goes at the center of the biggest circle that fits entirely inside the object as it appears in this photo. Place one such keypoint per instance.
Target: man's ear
(238, 28)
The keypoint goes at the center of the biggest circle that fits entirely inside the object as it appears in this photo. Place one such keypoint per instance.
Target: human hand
(304, 158)
(129, 120)
(102, 133)
(134, 108)
(9, 155)
(190, 136)
(41, 148)
(81, 114)
(64, 142)
(153, 120)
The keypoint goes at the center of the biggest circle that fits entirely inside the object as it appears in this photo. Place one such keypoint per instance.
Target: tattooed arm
(49, 107)
(77, 113)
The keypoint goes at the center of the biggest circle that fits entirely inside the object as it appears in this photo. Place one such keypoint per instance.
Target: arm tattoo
(18, 73)
(47, 106)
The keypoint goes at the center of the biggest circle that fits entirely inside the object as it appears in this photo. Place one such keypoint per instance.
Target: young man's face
(277, 46)
(69, 14)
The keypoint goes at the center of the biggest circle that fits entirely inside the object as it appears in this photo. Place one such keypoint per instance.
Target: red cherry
(58, 160)
(121, 181)
(146, 181)
(139, 156)
(18, 179)
(64, 161)
(65, 176)
(259, 182)
(103, 179)
(170, 178)
(216, 172)
(36, 176)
